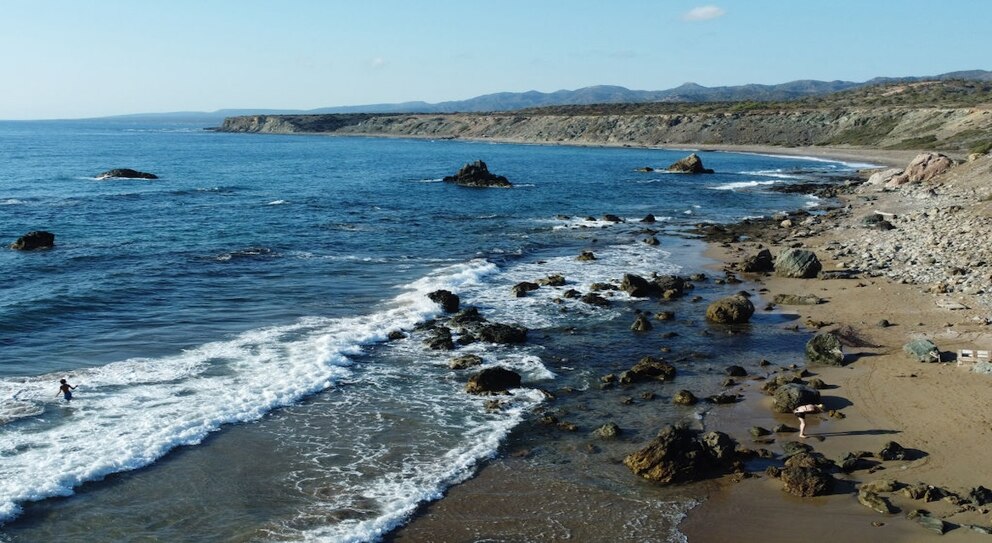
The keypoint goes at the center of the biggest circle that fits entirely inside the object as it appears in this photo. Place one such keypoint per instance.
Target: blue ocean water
(226, 324)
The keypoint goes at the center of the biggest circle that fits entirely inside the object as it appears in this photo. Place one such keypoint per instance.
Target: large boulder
(126, 173)
(884, 176)
(37, 239)
(801, 263)
(679, 455)
(825, 349)
(922, 350)
(637, 286)
(689, 164)
(790, 396)
(448, 301)
(730, 310)
(806, 482)
(670, 286)
(476, 174)
(492, 380)
(758, 263)
(924, 167)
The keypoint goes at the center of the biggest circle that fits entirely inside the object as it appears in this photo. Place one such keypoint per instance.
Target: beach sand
(940, 411)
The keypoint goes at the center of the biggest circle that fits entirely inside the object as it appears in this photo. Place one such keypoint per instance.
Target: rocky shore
(898, 456)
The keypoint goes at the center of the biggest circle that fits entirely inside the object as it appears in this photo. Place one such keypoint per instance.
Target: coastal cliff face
(954, 129)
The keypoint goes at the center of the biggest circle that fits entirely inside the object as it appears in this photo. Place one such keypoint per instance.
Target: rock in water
(609, 430)
(689, 164)
(648, 368)
(792, 395)
(37, 239)
(684, 397)
(825, 349)
(637, 286)
(922, 350)
(493, 380)
(641, 324)
(449, 302)
(466, 361)
(678, 455)
(730, 310)
(521, 289)
(126, 173)
(503, 333)
(800, 263)
(476, 174)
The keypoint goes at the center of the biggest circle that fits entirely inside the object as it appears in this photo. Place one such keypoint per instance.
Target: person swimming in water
(65, 389)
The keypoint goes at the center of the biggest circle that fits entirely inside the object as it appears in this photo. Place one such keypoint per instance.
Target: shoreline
(938, 410)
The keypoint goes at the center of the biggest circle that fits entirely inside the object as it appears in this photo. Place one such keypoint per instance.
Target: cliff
(938, 116)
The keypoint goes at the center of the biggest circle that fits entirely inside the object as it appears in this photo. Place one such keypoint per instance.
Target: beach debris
(610, 430)
(684, 397)
(465, 361)
(126, 173)
(37, 239)
(798, 263)
(648, 368)
(448, 301)
(875, 502)
(922, 350)
(825, 349)
(927, 521)
(476, 174)
(730, 310)
(792, 395)
(690, 164)
(680, 455)
(492, 381)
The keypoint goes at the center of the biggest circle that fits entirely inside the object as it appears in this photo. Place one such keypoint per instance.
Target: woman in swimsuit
(802, 411)
(65, 389)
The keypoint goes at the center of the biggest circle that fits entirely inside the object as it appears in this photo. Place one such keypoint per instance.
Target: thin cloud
(377, 63)
(703, 13)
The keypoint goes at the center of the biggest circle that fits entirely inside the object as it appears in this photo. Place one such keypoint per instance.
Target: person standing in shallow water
(65, 389)
(802, 411)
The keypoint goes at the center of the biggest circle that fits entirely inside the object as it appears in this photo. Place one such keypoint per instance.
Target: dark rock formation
(792, 395)
(521, 289)
(758, 263)
(37, 239)
(126, 173)
(806, 482)
(609, 217)
(730, 310)
(800, 263)
(648, 369)
(493, 380)
(449, 302)
(440, 340)
(649, 218)
(466, 361)
(595, 299)
(735, 371)
(641, 324)
(892, 451)
(609, 430)
(689, 164)
(502, 333)
(637, 286)
(555, 280)
(825, 349)
(680, 455)
(586, 256)
(684, 397)
(476, 174)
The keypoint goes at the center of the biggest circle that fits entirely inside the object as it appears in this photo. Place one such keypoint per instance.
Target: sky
(88, 58)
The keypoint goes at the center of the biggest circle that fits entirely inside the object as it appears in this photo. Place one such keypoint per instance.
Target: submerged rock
(449, 302)
(466, 361)
(126, 173)
(648, 368)
(689, 164)
(476, 174)
(37, 239)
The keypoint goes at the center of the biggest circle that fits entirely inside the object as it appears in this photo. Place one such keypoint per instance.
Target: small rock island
(689, 164)
(476, 174)
(126, 173)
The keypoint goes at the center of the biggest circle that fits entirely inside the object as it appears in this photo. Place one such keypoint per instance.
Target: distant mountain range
(599, 94)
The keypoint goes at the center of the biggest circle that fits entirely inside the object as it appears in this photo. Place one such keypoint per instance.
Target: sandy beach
(938, 411)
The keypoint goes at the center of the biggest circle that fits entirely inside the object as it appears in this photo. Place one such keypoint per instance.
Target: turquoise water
(226, 323)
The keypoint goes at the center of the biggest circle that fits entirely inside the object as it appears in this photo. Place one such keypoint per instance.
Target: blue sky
(79, 58)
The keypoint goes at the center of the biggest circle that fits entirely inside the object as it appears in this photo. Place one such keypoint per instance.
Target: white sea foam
(277, 202)
(743, 185)
(11, 202)
(128, 414)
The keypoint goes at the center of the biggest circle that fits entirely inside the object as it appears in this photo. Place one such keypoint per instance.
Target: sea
(227, 324)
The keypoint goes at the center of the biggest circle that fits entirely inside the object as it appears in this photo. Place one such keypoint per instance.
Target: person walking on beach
(802, 411)
(65, 389)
